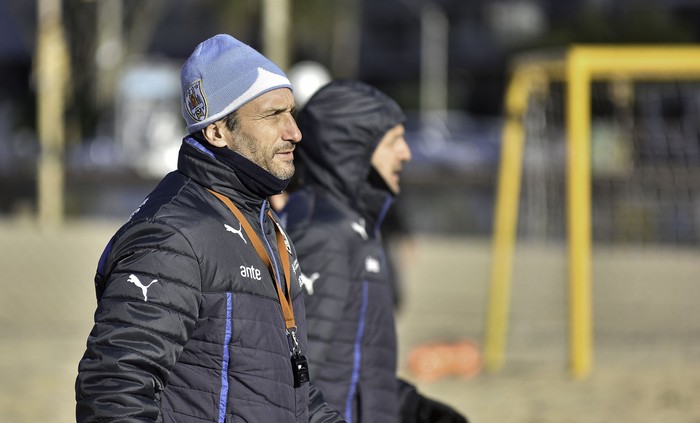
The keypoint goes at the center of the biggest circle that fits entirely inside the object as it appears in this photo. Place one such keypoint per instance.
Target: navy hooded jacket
(334, 223)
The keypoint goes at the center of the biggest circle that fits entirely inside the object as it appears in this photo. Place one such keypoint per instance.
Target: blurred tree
(156, 27)
(134, 26)
(313, 29)
(624, 25)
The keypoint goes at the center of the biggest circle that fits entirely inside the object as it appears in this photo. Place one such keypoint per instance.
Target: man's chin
(283, 172)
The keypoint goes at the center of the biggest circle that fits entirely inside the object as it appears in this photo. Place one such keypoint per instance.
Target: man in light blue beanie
(200, 315)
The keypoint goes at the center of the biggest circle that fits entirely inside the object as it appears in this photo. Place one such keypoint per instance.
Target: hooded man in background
(353, 152)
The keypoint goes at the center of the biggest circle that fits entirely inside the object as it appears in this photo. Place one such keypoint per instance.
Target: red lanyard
(285, 300)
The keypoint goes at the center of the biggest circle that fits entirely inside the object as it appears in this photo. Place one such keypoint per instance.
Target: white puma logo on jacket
(359, 227)
(238, 231)
(308, 282)
(133, 279)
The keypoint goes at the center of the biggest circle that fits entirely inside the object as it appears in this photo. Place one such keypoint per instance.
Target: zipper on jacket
(382, 214)
(223, 395)
(269, 247)
(357, 355)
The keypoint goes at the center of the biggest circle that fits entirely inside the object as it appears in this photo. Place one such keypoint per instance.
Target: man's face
(266, 133)
(390, 155)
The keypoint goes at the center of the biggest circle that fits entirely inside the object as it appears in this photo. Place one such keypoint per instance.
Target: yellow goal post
(577, 68)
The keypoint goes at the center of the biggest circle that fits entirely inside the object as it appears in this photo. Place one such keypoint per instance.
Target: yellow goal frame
(579, 66)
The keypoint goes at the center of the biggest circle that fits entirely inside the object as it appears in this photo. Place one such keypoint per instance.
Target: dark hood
(341, 126)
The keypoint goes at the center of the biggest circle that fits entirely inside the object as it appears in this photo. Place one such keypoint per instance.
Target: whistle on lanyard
(300, 366)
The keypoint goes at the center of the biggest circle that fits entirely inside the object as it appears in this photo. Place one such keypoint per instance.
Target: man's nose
(292, 132)
(405, 153)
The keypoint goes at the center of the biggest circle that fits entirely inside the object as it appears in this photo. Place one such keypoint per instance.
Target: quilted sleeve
(144, 317)
(319, 410)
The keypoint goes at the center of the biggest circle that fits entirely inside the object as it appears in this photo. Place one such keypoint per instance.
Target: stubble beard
(250, 147)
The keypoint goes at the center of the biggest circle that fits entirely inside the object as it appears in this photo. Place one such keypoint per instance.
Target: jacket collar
(197, 162)
(373, 205)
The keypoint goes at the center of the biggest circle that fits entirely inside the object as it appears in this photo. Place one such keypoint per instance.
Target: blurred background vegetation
(116, 116)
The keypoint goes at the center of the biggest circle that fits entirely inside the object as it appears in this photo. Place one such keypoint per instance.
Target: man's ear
(214, 135)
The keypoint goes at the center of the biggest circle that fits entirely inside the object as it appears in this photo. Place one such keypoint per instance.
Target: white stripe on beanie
(266, 81)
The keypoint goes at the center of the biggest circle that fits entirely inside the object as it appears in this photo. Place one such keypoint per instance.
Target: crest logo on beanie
(195, 102)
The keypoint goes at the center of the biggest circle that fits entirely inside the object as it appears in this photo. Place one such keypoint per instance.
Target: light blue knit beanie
(221, 75)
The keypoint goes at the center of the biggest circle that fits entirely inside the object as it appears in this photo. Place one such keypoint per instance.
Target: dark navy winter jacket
(334, 224)
(188, 326)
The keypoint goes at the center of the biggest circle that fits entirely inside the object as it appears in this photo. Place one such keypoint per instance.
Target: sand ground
(645, 317)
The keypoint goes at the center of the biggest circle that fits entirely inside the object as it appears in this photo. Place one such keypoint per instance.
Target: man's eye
(276, 113)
